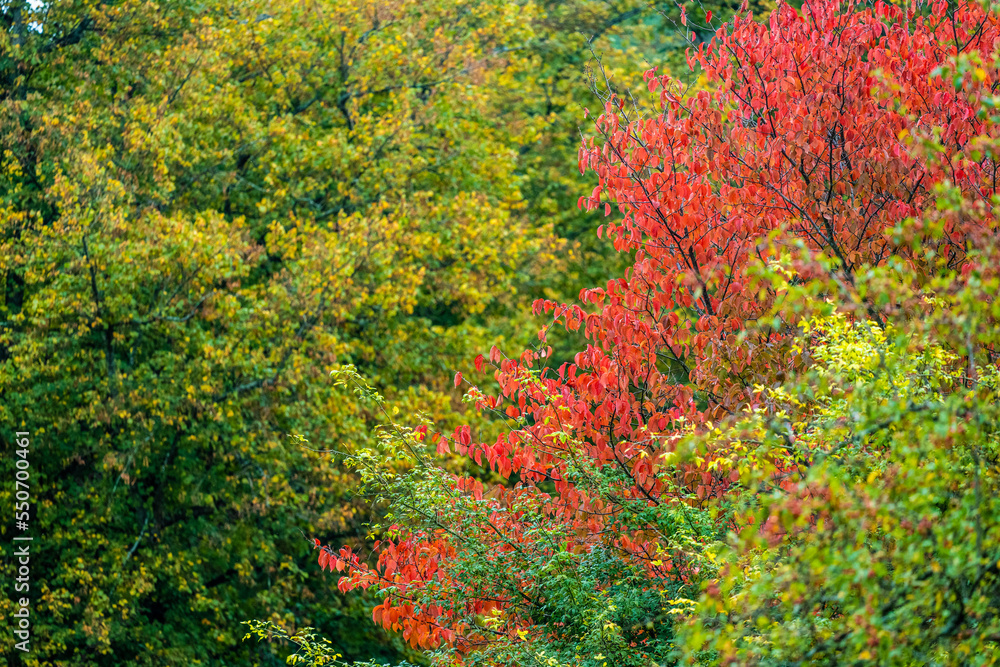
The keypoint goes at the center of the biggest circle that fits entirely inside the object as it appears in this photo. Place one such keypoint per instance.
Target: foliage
(311, 651)
(786, 408)
(579, 48)
(204, 207)
(203, 210)
(882, 545)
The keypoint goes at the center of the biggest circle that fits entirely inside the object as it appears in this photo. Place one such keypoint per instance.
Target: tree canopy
(779, 445)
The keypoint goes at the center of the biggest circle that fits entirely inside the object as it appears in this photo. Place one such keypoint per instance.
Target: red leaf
(458, 379)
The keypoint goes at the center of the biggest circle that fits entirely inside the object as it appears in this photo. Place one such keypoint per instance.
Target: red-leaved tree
(804, 133)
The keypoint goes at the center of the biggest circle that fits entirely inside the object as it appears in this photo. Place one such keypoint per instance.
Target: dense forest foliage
(207, 207)
(295, 287)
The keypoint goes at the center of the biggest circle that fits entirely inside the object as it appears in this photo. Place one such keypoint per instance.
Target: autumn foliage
(810, 140)
(206, 206)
